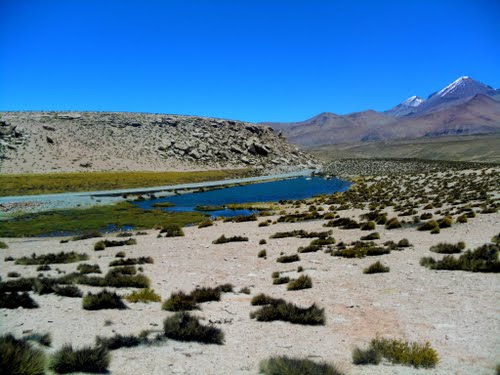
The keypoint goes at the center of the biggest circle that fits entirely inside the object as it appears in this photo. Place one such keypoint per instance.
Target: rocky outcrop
(55, 141)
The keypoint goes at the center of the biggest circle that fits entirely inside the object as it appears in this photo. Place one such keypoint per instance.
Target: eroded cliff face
(33, 142)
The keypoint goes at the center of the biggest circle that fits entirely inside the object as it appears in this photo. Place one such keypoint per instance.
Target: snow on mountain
(413, 101)
(464, 87)
(405, 108)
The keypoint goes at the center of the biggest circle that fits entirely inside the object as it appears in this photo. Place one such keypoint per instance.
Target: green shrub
(172, 230)
(300, 233)
(19, 357)
(23, 284)
(131, 261)
(448, 248)
(13, 300)
(392, 223)
(462, 219)
(205, 294)
(180, 301)
(184, 327)
(43, 286)
(284, 365)
(360, 250)
(406, 353)
(9, 259)
(376, 267)
(370, 356)
(119, 341)
(145, 295)
(371, 237)
(309, 248)
(288, 312)
(206, 223)
(482, 259)
(125, 234)
(103, 300)
(223, 239)
(99, 246)
(288, 258)
(241, 218)
(262, 299)
(61, 257)
(370, 225)
(226, 288)
(245, 290)
(343, 223)
(428, 225)
(264, 224)
(302, 282)
(43, 339)
(262, 253)
(120, 254)
(86, 235)
(262, 242)
(404, 243)
(43, 267)
(3, 245)
(88, 268)
(445, 222)
(281, 280)
(88, 359)
(67, 291)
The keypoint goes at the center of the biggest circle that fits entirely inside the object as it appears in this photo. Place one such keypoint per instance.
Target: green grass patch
(278, 309)
(3, 245)
(96, 218)
(103, 300)
(48, 183)
(284, 365)
(19, 357)
(162, 204)
(223, 239)
(376, 267)
(406, 353)
(51, 258)
(482, 259)
(144, 295)
(303, 282)
(88, 359)
(448, 248)
(185, 327)
(14, 300)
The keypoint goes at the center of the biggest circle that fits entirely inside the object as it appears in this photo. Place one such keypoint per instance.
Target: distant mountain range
(464, 107)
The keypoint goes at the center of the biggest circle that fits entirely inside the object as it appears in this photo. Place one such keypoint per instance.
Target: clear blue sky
(254, 60)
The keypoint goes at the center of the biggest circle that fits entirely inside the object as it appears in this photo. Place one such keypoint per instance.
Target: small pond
(289, 189)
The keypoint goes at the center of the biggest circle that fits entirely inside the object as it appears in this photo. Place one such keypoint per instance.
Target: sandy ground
(457, 312)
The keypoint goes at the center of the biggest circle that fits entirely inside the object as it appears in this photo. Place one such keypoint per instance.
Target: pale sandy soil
(457, 312)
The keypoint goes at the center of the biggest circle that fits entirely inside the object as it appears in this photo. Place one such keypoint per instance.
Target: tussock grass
(87, 235)
(370, 356)
(68, 291)
(288, 312)
(88, 268)
(144, 295)
(171, 230)
(283, 365)
(87, 359)
(262, 299)
(223, 239)
(288, 258)
(376, 267)
(51, 258)
(343, 223)
(184, 327)
(482, 259)
(262, 253)
(281, 280)
(103, 300)
(300, 233)
(180, 301)
(103, 244)
(371, 237)
(241, 218)
(23, 284)
(19, 357)
(131, 261)
(3, 245)
(206, 223)
(428, 226)
(392, 223)
(118, 341)
(361, 249)
(13, 300)
(43, 339)
(302, 282)
(448, 248)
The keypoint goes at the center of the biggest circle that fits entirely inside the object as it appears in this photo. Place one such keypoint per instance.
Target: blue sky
(254, 60)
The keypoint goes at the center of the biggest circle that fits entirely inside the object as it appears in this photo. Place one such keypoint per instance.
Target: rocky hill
(32, 142)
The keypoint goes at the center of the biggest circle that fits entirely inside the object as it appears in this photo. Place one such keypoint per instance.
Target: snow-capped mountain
(405, 108)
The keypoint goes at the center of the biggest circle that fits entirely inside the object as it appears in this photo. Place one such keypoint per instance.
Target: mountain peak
(413, 101)
(462, 87)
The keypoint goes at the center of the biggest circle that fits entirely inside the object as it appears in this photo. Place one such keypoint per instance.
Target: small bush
(223, 239)
(43, 267)
(13, 274)
(103, 300)
(3, 245)
(303, 282)
(448, 248)
(264, 224)
(262, 253)
(284, 365)
(281, 280)
(19, 285)
(343, 223)
(404, 243)
(118, 341)
(370, 356)
(361, 249)
(262, 242)
(376, 267)
(392, 223)
(14, 300)
(86, 235)
(68, 291)
(288, 258)
(245, 290)
(370, 225)
(262, 299)
(88, 268)
(445, 222)
(206, 223)
(144, 295)
(371, 237)
(205, 294)
(99, 246)
(9, 259)
(241, 218)
(120, 254)
(289, 312)
(180, 301)
(428, 225)
(43, 339)
(61, 257)
(19, 357)
(131, 261)
(125, 234)
(172, 230)
(226, 288)
(88, 359)
(184, 327)
(462, 219)
(406, 353)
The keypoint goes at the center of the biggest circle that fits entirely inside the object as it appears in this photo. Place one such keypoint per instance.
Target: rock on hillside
(88, 141)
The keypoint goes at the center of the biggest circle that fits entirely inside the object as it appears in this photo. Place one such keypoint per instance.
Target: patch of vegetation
(88, 359)
(51, 258)
(370, 225)
(13, 274)
(370, 356)
(403, 243)
(209, 208)
(482, 259)
(428, 226)
(448, 248)
(43, 339)
(303, 282)
(103, 244)
(241, 218)
(223, 239)
(376, 267)
(119, 341)
(87, 235)
(300, 233)
(180, 301)
(13, 300)
(92, 219)
(162, 204)
(262, 242)
(28, 184)
(262, 299)
(371, 237)
(206, 223)
(43, 267)
(343, 223)
(293, 218)
(171, 230)
(3, 245)
(131, 261)
(245, 290)
(24, 284)
(144, 295)
(281, 280)
(361, 249)
(262, 253)
(288, 258)
(205, 294)
(103, 300)
(88, 268)
(67, 291)
(19, 357)
(288, 312)
(117, 278)
(284, 365)
(185, 327)
(392, 223)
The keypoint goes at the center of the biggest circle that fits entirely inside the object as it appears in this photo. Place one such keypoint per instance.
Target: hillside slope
(37, 142)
